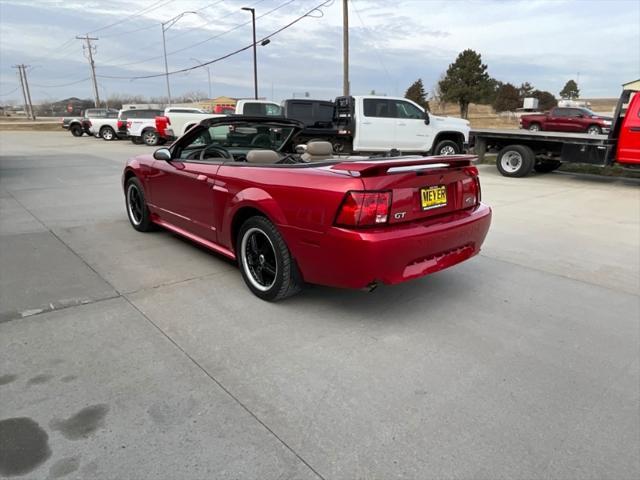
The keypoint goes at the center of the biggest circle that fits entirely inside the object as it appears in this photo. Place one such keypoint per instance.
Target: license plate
(433, 197)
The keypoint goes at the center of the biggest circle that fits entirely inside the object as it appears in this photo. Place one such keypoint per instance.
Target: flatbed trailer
(522, 151)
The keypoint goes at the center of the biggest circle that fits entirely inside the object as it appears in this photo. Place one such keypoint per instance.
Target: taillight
(129, 123)
(361, 209)
(120, 124)
(471, 194)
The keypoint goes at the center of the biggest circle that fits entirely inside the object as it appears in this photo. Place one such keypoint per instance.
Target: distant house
(633, 85)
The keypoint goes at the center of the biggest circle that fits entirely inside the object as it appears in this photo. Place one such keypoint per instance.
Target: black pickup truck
(318, 117)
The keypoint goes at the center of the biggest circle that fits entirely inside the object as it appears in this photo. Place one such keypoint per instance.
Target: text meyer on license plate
(433, 197)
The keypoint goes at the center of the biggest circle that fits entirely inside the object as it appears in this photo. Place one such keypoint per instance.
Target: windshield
(241, 136)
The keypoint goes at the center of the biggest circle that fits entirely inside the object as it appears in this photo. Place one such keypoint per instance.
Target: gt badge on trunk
(433, 197)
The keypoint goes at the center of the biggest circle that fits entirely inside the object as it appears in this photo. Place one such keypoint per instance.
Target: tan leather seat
(262, 156)
(317, 151)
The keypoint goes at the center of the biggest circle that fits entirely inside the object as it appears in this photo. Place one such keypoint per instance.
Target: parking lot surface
(129, 355)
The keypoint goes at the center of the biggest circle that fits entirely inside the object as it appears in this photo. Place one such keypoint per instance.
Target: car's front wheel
(534, 127)
(265, 261)
(137, 209)
(594, 130)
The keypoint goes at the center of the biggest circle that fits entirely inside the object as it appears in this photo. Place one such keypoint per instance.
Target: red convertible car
(237, 186)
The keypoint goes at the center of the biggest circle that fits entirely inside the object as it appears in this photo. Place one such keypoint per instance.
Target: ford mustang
(291, 214)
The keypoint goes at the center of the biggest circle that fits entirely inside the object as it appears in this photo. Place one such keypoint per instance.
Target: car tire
(535, 127)
(547, 166)
(515, 161)
(150, 138)
(594, 130)
(107, 133)
(76, 130)
(136, 205)
(136, 140)
(266, 263)
(446, 147)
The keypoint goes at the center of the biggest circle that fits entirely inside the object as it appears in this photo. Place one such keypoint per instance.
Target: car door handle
(202, 178)
(402, 124)
(366, 123)
(634, 129)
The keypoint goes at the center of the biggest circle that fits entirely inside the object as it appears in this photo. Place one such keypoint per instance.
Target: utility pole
(28, 107)
(24, 93)
(26, 87)
(166, 26)
(89, 49)
(345, 48)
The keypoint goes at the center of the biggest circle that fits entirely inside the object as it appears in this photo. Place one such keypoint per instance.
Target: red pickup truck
(562, 119)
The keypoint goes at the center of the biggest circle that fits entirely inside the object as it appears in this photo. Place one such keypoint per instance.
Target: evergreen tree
(465, 81)
(570, 91)
(416, 93)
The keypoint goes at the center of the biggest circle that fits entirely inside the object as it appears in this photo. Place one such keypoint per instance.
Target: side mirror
(580, 115)
(427, 120)
(162, 154)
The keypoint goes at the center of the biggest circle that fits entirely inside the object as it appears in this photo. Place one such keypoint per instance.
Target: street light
(208, 74)
(255, 62)
(166, 26)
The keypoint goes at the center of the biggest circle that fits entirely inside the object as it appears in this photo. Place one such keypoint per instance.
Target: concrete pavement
(128, 355)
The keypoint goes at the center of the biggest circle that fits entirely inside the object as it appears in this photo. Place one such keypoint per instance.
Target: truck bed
(563, 137)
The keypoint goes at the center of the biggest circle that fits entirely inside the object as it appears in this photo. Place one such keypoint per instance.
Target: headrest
(262, 156)
(319, 148)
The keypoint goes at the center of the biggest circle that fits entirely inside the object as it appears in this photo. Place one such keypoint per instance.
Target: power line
(148, 9)
(63, 84)
(9, 93)
(205, 40)
(317, 8)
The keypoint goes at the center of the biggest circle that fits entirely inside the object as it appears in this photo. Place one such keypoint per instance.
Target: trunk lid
(421, 187)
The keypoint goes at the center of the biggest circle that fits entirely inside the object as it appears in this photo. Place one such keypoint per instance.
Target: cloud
(391, 44)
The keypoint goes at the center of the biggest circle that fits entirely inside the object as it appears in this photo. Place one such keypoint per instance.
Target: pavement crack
(225, 389)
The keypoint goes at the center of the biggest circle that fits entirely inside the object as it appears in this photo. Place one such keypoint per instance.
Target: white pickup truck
(105, 127)
(378, 124)
(177, 120)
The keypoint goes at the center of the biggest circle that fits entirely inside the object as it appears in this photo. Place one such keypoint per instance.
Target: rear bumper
(357, 258)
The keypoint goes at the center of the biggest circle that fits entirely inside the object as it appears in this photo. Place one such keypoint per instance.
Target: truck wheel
(265, 261)
(150, 138)
(594, 130)
(546, 166)
(446, 147)
(534, 127)
(76, 130)
(107, 133)
(515, 161)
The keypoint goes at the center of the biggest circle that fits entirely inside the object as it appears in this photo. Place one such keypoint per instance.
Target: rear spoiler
(365, 168)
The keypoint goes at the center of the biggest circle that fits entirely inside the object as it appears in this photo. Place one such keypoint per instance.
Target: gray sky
(392, 44)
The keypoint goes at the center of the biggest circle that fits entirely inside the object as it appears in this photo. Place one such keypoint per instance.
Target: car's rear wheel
(515, 161)
(446, 147)
(547, 166)
(265, 261)
(534, 127)
(107, 133)
(137, 209)
(76, 130)
(150, 138)
(594, 130)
